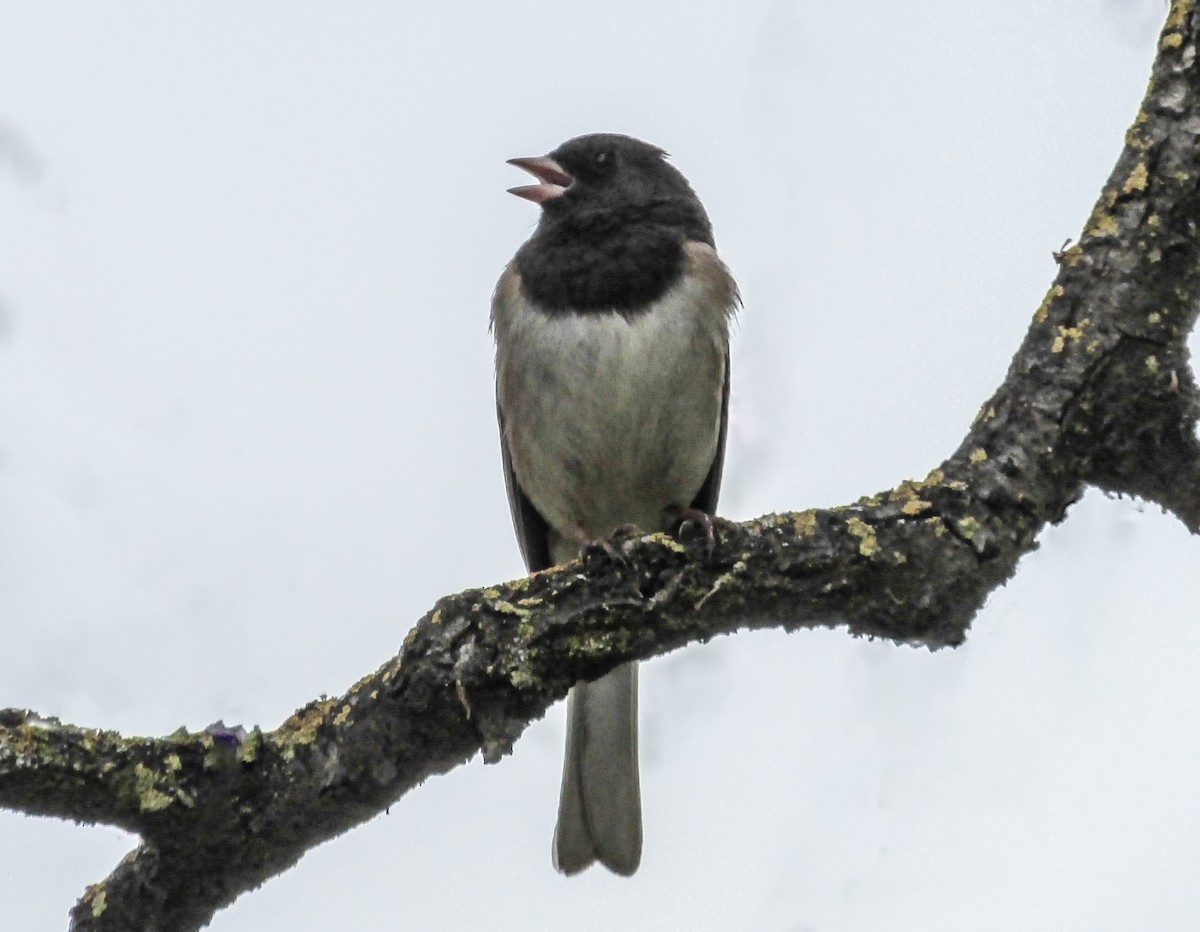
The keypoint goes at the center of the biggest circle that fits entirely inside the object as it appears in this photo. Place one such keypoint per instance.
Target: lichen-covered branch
(1101, 392)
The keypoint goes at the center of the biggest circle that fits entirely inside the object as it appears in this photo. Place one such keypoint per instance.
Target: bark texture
(1100, 393)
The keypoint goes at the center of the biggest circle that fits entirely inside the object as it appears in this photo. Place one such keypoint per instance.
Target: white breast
(609, 420)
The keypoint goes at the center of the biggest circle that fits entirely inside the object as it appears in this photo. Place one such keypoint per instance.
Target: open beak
(552, 180)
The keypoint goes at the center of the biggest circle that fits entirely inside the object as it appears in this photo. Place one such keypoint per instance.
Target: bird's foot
(593, 550)
(687, 521)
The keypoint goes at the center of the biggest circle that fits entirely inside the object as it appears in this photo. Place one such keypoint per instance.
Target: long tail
(600, 807)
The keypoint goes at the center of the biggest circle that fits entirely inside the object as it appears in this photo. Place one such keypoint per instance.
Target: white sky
(247, 438)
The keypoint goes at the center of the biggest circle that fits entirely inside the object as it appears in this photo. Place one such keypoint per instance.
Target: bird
(612, 330)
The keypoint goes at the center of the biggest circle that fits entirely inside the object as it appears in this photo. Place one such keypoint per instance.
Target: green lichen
(969, 527)
(521, 678)
(666, 540)
(1044, 308)
(151, 797)
(985, 413)
(301, 727)
(99, 897)
(722, 580)
(1178, 14)
(1104, 224)
(1068, 333)
(868, 544)
(249, 748)
(805, 523)
(507, 608)
(1137, 179)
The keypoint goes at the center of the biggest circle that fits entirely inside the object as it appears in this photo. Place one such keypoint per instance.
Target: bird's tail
(600, 807)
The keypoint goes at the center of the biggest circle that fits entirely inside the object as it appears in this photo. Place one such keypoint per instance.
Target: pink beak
(553, 181)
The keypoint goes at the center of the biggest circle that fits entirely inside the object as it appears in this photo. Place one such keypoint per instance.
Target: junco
(612, 387)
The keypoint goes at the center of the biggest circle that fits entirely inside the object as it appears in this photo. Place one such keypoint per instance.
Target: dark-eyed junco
(612, 386)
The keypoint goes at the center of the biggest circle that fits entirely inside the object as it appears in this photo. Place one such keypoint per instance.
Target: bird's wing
(533, 534)
(706, 498)
(702, 261)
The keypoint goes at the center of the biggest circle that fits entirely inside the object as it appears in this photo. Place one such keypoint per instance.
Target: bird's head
(609, 176)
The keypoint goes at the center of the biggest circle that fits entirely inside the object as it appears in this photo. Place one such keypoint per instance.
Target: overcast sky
(247, 438)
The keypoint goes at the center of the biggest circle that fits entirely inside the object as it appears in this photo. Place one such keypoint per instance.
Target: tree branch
(1101, 392)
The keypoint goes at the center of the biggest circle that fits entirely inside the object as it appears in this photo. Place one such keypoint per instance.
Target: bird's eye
(603, 159)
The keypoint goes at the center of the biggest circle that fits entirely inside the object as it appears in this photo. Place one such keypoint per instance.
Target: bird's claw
(694, 518)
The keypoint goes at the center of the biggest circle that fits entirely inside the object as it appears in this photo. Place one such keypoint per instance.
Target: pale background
(247, 438)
